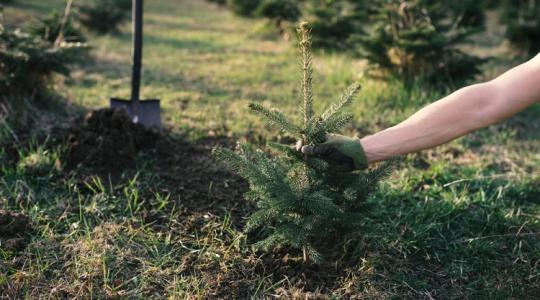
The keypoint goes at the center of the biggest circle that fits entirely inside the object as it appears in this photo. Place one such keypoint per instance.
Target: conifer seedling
(302, 202)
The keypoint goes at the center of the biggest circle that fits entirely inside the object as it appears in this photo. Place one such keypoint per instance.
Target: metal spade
(147, 112)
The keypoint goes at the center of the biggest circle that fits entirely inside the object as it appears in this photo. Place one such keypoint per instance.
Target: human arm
(466, 110)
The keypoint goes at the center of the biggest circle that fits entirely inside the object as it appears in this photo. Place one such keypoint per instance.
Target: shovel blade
(149, 111)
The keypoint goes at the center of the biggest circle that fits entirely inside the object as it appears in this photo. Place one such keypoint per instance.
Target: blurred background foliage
(412, 40)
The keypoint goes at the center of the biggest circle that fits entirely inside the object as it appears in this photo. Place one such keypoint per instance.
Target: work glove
(345, 152)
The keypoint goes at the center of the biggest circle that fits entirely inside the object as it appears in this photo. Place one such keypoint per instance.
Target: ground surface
(461, 221)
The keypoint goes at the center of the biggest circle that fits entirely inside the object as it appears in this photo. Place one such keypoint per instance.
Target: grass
(459, 221)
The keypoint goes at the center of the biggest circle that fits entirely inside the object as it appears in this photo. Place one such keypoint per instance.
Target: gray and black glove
(347, 152)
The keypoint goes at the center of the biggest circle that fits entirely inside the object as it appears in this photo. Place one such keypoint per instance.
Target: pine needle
(277, 118)
(346, 98)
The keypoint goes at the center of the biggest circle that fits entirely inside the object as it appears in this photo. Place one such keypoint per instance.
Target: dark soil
(13, 230)
(108, 141)
(199, 183)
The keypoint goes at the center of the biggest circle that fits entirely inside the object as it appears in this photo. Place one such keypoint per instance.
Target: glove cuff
(356, 151)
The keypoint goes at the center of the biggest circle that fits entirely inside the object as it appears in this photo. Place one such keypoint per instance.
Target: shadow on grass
(467, 240)
(428, 234)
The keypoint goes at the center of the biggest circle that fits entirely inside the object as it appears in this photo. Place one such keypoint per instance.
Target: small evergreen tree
(48, 28)
(218, 2)
(302, 202)
(419, 39)
(244, 8)
(279, 10)
(333, 22)
(27, 62)
(523, 24)
(105, 16)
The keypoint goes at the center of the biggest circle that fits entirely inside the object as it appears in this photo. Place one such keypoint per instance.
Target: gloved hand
(345, 151)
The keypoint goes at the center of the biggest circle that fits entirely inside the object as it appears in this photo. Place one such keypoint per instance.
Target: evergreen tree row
(419, 40)
(413, 40)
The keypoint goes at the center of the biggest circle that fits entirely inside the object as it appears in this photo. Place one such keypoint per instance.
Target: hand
(345, 151)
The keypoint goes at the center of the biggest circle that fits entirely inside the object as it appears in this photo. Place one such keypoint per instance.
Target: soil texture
(13, 229)
(108, 140)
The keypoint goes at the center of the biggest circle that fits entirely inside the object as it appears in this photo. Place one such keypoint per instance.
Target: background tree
(334, 21)
(105, 16)
(244, 8)
(302, 202)
(27, 62)
(420, 39)
(219, 2)
(48, 28)
(523, 24)
(279, 11)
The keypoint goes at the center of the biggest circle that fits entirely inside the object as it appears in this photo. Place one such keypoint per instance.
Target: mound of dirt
(106, 143)
(13, 228)
(108, 140)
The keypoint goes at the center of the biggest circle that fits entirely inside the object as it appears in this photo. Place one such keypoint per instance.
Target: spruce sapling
(302, 201)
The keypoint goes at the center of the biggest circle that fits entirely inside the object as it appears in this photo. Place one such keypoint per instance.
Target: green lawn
(460, 221)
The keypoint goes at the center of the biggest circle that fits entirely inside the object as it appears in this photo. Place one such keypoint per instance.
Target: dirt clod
(200, 183)
(108, 140)
(13, 224)
(13, 229)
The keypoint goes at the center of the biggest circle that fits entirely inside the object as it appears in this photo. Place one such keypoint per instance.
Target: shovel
(147, 112)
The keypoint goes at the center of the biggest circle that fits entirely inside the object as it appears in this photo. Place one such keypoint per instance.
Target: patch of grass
(457, 236)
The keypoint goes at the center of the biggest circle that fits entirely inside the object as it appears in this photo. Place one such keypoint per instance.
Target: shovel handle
(137, 19)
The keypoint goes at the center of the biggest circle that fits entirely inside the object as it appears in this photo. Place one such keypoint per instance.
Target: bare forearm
(466, 110)
(435, 124)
